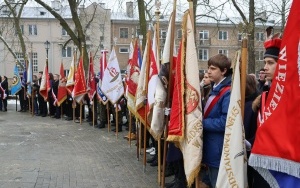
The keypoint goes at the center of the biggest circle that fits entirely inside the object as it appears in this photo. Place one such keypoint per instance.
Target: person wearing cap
(272, 46)
(215, 114)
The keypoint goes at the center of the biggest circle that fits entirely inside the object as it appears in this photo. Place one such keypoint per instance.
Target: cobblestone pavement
(45, 152)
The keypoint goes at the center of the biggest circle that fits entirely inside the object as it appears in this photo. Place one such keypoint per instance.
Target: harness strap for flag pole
(215, 100)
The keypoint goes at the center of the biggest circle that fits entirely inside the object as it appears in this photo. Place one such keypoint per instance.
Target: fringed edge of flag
(59, 102)
(194, 174)
(175, 138)
(274, 163)
(156, 134)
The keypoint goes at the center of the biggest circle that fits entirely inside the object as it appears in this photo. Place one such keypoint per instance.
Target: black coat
(4, 85)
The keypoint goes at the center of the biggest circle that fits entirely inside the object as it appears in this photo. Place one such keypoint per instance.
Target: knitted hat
(272, 47)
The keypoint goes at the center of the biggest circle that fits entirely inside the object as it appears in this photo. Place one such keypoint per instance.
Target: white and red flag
(133, 73)
(62, 90)
(112, 85)
(45, 84)
(80, 83)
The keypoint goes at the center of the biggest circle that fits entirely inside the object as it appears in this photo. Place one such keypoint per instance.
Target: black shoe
(44, 115)
(69, 118)
(154, 163)
(170, 184)
(179, 184)
(20, 110)
(57, 117)
(151, 159)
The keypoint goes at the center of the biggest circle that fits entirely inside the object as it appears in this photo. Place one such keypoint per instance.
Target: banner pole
(130, 127)
(80, 113)
(117, 120)
(108, 117)
(168, 94)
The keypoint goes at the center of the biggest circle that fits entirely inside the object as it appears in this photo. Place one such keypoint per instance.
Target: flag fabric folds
(112, 85)
(62, 90)
(157, 117)
(233, 165)
(45, 84)
(275, 153)
(133, 78)
(16, 84)
(80, 83)
(29, 78)
(71, 76)
(103, 65)
(141, 91)
(153, 75)
(91, 86)
(186, 112)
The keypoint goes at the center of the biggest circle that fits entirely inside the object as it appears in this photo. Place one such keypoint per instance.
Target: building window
(21, 28)
(123, 33)
(224, 52)
(223, 35)
(21, 59)
(66, 52)
(64, 32)
(203, 54)
(123, 50)
(203, 35)
(34, 60)
(260, 36)
(259, 55)
(137, 31)
(32, 29)
(179, 33)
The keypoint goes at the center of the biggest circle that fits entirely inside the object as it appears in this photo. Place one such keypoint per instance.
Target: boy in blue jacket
(215, 113)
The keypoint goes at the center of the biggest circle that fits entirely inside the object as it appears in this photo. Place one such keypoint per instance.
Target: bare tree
(77, 35)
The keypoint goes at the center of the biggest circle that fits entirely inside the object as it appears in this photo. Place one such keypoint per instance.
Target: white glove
(5, 95)
(167, 111)
(248, 145)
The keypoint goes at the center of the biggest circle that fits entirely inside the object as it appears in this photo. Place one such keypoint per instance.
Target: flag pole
(243, 73)
(191, 11)
(129, 127)
(168, 94)
(137, 139)
(117, 120)
(146, 89)
(108, 117)
(157, 12)
(80, 113)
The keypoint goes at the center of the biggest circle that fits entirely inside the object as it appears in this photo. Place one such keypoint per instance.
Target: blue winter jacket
(214, 126)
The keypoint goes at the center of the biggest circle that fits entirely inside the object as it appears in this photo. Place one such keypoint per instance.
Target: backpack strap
(215, 100)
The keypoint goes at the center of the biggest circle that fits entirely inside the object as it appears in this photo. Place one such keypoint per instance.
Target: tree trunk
(251, 32)
(143, 24)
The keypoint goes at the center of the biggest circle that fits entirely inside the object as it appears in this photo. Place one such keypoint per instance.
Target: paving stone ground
(37, 152)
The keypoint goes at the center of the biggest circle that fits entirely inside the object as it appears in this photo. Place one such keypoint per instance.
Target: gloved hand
(167, 111)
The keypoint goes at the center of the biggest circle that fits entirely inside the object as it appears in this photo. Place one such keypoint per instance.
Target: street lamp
(47, 46)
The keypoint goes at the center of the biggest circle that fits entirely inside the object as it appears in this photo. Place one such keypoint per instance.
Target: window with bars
(259, 36)
(66, 52)
(203, 54)
(204, 35)
(32, 29)
(223, 35)
(123, 50)
(223, 51)
(21, 59)
(64, 32)
(123, 33)
(259, 55)
(35, 65)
